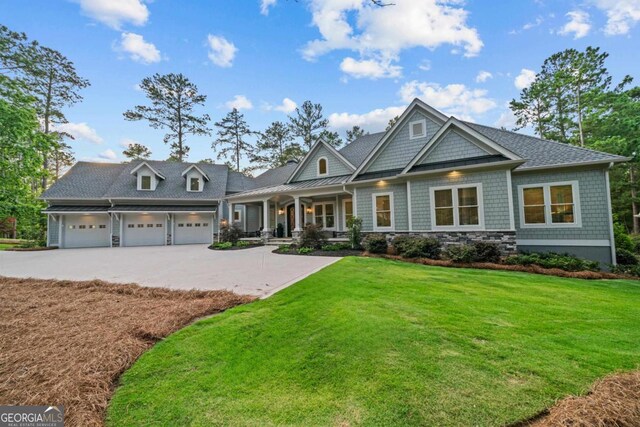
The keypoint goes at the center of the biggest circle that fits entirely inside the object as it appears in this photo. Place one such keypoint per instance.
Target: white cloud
(81, 131)
(483, 76)
(265, 5)
(373, 121)
(621, 15)
(454, 99)
(578, 24)
(425, 65)
(221, 51)
(287, 106)
(524, 79)
(370, 68)
(506, 120)
(239, 102)
(114, 13)
(138, 49)
(382, 33)
(127, 142)
(108, 154)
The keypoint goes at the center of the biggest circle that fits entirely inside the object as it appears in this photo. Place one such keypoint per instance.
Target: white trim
(546, 188)
(326, 166)
(173, 229)
(512, 220)
(355, 201)
(344, 212)
(166, 230)
(110, 230)
(374, 211)
(573, 165)
(409, 211)
(48, 229)
(158, 174)
(612, 239)
(60, 230)
(324, 214)
(456, 208)
(561, 242)
(200, 184)
(154, 212)
(204, 175)
(77, 212)
(423, 122)
(152, 182)
(306, 158)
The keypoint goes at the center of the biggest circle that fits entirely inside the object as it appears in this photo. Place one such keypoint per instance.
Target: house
(429, 174)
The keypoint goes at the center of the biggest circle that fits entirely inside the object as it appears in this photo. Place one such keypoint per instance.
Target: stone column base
(266, 235)
(296, 236)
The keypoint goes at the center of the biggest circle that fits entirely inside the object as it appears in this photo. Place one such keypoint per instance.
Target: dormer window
(418, 129)
(323, 167)
(194, 184)
(145, 182)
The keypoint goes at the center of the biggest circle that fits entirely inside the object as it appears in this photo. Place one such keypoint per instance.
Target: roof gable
(337, 165)
(453, 146)
(192, 167)
(146, 165)
(396, 148)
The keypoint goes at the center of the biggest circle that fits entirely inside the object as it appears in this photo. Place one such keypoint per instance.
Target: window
(140, 225)
(323, 168)
(181, 225)
(158, 225)
(197, 224)
(194, 184)
(145, 182)
(324, 215)
(92, 226)
(82, 227)
(205, 224)
(149, 225)
(237, 216)
(549, 205)
(102, 226)
(383, 212)
(417, 129)
(189, 224)
(347, 208)
(130, 225)
(72, 227)
(457, 207)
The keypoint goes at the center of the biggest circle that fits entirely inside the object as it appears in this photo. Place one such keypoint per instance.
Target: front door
(291, 218)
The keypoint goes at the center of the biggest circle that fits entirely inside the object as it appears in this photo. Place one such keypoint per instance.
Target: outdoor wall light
(280, 211)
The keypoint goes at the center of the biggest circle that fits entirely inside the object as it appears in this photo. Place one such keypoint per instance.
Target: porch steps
(278, 242)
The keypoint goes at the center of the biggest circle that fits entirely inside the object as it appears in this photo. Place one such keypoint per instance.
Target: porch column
(231, 209)
(297, 209)
(265, 215)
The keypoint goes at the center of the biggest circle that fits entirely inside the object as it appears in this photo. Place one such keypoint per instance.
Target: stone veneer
(115, 241)
(505, 239)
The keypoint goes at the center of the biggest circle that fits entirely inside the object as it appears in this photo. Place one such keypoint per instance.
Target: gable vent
(417, 129)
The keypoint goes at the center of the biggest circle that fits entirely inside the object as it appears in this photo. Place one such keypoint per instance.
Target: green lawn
(4, 246)
(377, 342)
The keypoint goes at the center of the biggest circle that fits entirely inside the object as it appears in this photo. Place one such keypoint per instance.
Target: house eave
(571, 165)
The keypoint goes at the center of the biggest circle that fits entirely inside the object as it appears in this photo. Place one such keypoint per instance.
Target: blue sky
(363, 64)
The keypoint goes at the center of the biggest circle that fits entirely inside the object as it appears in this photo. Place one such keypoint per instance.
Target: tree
(307, 123)
(232, 131)
(331, 138)
(207, 161)
(533, 108)
(275, 146)
(392, 122)
(137, 151)
(354, 133)
(173, 101)
(62, 159)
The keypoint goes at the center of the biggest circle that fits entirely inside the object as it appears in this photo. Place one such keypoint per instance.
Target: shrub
(487, 252)
(622, 238)
(230, 232)
(635, 238)
(626, 257)
(243, 244)
(223, 245)
(632, 270)
(375, 243)
(284, 248)
(304, 250)
(461, 253)
(336, 247)
(312, 236)
(553, 260)
(354, 231)
(417, 247)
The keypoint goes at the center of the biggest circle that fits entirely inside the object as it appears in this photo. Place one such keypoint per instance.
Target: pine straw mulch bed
(65, 342)
(593, 275)
(612, 401)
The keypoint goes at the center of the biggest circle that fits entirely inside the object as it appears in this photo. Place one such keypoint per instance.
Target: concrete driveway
(254, 271)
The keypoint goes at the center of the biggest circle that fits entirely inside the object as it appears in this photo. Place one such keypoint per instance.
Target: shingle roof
(237, 182)
(359, 149)
(84, 180)
(283, 188)
(275, 176)
(541, 152)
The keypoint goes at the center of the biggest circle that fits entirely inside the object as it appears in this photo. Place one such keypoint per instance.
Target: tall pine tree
(231, 142)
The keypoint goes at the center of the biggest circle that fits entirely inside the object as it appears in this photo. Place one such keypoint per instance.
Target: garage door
(193, 228)
(144, 229)
(86, 231)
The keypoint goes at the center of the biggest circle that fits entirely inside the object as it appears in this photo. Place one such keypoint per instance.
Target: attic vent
(417, 129)
(290, 161)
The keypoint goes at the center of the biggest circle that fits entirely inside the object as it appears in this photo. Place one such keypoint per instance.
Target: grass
(377, 342)
(4, 246)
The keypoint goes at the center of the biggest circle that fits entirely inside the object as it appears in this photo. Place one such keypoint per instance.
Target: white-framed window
(457, 207)
(323, 166)
(347, 212)
(146, 182)
(553, 204)
(324, 214)
(418, 129)
(237, 216)
(194, 184)
(383, 217)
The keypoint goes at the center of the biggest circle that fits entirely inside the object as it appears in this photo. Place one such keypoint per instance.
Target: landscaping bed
(65, 342)
(230, 246)
(336, 250)
(374, 342)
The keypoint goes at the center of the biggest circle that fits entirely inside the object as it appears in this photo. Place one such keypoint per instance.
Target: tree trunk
(179, 129)
(634, 204)
(46, 118)
(579, 106)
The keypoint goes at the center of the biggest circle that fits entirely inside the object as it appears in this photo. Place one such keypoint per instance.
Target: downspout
(612, 239)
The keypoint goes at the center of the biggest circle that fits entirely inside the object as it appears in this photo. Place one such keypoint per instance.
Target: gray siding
(365, 205)
(253, 217)
(494, 191)
(452, 146)
(593, 204)
(334, 166)
(399, 150)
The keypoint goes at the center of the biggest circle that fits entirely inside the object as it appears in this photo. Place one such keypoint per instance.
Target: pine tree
(136, 151)
(231, 143)
(275, 146)
(331, 138)
(354, 133)
(307, 123)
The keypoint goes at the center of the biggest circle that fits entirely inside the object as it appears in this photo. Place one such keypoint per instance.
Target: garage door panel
(144, 230)
(86, 231)
(193, 229)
